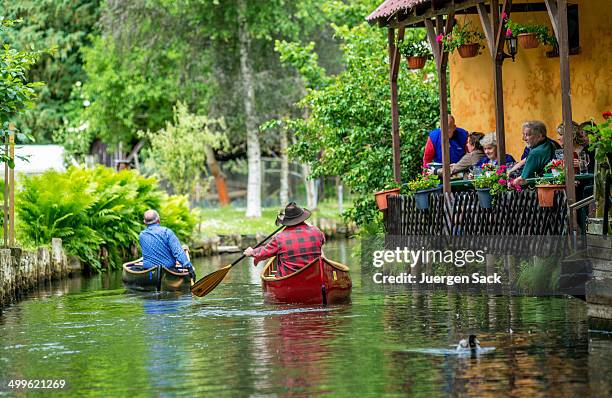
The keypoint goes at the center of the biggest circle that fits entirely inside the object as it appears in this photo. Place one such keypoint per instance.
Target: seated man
(294, 247)
(160, 246)
(457, 139)
(541, 151)
(517, 169)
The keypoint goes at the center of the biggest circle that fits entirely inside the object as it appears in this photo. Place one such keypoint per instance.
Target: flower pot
(546, 194)
(381, 197)
(484, 197)
(528, 40)
(416, 62)
(422, 197)
(468, 50)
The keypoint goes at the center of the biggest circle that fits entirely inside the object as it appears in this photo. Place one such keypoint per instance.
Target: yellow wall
(531, 84)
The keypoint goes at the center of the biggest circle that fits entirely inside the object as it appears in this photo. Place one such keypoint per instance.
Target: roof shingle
(390, 7)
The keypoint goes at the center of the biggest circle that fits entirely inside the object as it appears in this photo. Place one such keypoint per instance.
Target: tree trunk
(212, 164)
(253, 149)
(340, 190)
(284, 177)
(311, 187)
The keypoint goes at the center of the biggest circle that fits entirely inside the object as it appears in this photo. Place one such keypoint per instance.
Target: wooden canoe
(134, 277)
(305, 286)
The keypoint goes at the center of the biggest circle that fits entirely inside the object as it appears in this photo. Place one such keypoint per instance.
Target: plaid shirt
(294, 247)
(160, 246)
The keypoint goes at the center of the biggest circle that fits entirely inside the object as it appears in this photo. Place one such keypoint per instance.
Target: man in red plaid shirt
(296, 246)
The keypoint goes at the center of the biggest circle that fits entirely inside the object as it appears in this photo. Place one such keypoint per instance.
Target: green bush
(95, 209)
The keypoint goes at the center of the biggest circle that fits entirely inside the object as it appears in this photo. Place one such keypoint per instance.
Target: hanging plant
(465, 38)
(529, 35)
(416, 52)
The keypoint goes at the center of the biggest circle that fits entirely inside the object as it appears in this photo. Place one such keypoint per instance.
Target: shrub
(95, 209)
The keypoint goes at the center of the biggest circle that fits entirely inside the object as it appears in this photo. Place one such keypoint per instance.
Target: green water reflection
(105, 341)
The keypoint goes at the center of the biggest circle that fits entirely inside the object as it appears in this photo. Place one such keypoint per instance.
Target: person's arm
(463, 164)
(177, 250)
(517, 166)
(430, 152)
(264, 252)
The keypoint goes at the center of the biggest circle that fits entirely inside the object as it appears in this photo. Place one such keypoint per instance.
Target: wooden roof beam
(432, 13)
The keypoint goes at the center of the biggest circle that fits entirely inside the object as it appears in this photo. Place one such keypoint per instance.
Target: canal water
(105, 341)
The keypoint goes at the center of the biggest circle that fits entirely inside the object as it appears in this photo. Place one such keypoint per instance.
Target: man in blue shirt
(160, 246)
(457, 139)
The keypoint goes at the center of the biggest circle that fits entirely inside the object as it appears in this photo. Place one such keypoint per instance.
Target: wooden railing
(459, 213)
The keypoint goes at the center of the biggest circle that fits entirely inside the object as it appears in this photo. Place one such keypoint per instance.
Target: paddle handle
(257, 245)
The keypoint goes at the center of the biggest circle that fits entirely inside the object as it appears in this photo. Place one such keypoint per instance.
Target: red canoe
(321, 282)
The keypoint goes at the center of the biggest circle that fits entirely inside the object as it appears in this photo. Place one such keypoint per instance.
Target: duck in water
(471, 343)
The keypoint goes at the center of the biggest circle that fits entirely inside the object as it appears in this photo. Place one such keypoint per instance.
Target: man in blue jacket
(160, 246)
(457, 139)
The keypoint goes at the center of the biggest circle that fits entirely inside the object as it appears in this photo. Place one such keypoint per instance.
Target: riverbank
(227, 230)
(22, 270)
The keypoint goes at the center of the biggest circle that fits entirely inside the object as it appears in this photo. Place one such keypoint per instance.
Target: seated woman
(489, 145)
(473, 155)
(581, 144)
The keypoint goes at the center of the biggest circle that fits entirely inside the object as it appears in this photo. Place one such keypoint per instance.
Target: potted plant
(553, 180)
(489, 183)
(416, 53)
(381, 196)
(422, 186)
(600, 139)
(465, 39)
(529, 35)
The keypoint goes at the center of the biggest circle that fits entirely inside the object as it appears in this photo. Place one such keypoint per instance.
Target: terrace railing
(459, 213)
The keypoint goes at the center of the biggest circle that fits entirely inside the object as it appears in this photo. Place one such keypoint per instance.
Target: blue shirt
(456, 143)
(486, 160)
(160, 246)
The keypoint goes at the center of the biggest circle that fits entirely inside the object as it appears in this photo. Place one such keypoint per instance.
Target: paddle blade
(207, 284)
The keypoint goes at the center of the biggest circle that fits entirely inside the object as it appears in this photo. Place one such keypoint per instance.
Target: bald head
(151, 217)
(451, 125)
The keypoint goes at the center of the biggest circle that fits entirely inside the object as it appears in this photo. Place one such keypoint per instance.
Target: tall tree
(65, 25)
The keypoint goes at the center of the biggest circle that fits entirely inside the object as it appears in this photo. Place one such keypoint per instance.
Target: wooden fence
(459, 213)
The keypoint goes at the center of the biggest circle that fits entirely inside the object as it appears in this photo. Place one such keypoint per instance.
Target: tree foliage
(17, 92)
(178, 151)
(63, 25)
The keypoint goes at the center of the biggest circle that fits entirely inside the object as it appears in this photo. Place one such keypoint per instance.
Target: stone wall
(22, 270)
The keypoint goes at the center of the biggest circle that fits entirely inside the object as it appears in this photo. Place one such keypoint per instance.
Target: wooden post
(6, 192)
(12, 188)
(394, 60)
(557, 10)
(493, 27)
(441, 59)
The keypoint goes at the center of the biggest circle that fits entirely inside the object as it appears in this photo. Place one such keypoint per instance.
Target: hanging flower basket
(422, 197)
(381, 197)
(416, 62)
(528, 40)
(546, 194)
(468, 50)
(485, 198)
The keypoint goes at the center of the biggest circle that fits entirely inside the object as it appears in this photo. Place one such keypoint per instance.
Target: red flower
(508, 32)
(502, 181)
(439, 38)
(607, 115)
(504, 15)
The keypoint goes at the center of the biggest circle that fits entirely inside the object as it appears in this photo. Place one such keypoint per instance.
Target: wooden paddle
(206, 284)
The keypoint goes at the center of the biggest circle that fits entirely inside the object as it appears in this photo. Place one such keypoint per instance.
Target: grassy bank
(229, 220)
